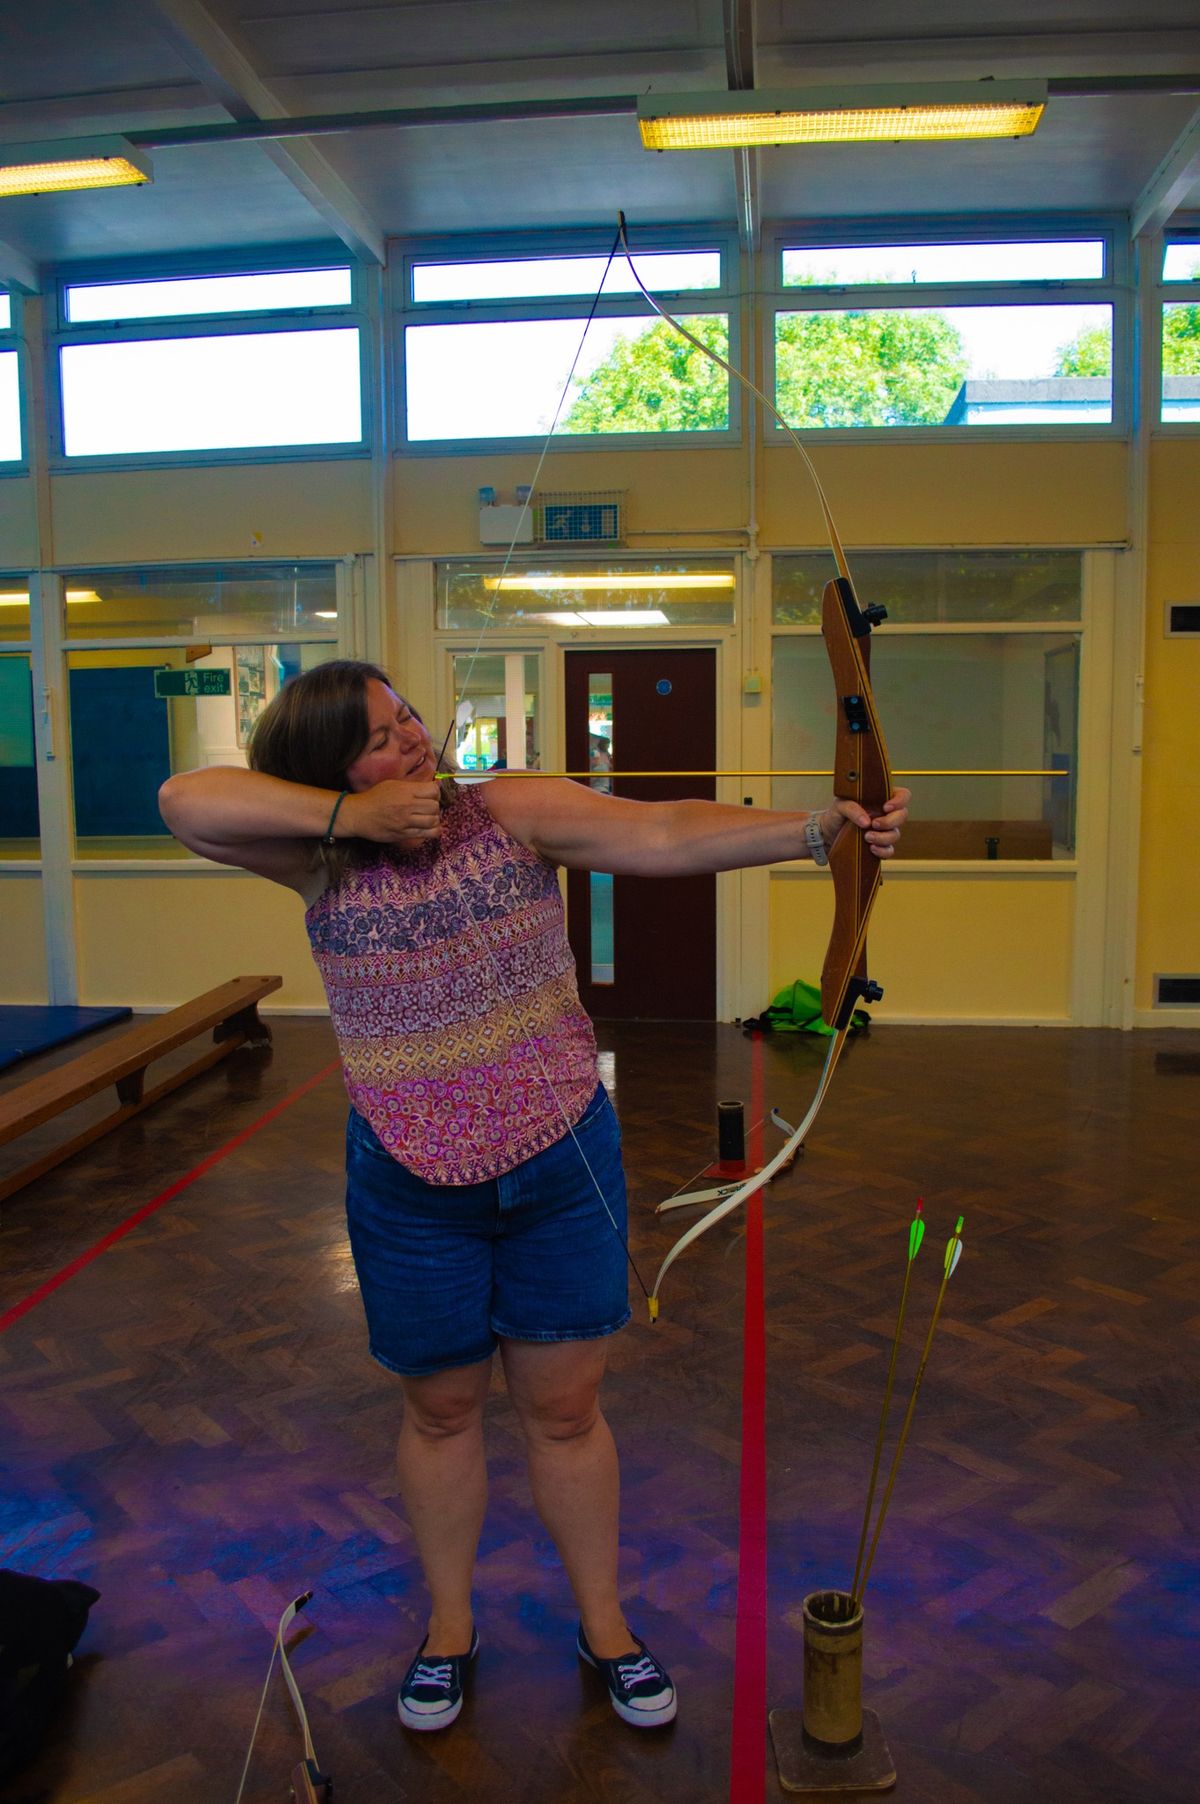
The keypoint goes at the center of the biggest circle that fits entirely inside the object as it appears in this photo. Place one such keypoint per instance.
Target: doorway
(645, 947)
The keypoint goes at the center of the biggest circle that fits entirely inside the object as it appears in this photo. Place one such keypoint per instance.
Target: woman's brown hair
(314, 730)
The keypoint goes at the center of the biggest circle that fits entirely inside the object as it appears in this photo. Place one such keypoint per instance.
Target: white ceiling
(74, 67)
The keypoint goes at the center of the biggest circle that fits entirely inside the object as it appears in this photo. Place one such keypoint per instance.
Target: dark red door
(645, 947)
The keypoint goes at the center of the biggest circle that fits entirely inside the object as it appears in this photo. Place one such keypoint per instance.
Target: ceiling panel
(71, 66)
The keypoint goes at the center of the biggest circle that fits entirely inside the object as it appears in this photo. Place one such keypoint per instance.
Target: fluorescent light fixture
(324, 614)
(76, 598)
(874, 115)
(560, 581)
(609, 617)
(51, 168)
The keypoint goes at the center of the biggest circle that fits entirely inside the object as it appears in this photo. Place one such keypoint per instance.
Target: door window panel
(497, 721)
(19, 825)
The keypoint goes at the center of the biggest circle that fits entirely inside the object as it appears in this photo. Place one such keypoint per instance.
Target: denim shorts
(447, 1270)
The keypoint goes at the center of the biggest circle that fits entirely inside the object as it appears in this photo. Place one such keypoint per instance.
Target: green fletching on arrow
(916, 1234)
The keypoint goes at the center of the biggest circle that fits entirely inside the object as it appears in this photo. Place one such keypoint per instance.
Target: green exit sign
(192, 682)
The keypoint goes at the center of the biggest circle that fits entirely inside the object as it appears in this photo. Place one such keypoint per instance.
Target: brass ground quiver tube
(833, 1639)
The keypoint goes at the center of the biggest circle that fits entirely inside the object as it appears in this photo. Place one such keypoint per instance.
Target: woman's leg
(443, 1481)
(573, 1472)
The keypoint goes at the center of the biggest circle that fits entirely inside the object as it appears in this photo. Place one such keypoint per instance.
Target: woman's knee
(446, 1404)
(557, 1404)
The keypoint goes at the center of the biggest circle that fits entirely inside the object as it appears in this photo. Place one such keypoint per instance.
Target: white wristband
(814, 839)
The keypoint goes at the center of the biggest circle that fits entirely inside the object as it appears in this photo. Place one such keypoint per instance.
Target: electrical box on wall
(580, 517)
(505, 524)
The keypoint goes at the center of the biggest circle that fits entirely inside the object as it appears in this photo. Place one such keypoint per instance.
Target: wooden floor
(191, 1423)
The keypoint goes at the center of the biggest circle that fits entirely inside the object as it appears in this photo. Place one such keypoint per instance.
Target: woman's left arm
(586, 830)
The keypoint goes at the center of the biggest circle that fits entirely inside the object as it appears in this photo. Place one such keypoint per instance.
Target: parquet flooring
(192, 1425)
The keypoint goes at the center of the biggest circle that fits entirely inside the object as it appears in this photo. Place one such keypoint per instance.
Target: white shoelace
(635, 1671)
(439, 1674)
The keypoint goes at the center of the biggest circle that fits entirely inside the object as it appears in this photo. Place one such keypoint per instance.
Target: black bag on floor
(40, 1622)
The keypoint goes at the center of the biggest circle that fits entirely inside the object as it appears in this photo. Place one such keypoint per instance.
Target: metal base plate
(803, 1770)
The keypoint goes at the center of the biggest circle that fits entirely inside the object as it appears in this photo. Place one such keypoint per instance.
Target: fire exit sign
(192, 682)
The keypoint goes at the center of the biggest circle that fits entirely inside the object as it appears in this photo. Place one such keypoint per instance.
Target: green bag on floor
(797, 1010)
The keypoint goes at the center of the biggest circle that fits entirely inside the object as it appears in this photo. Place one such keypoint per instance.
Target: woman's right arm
(267, 825)
(246, 818)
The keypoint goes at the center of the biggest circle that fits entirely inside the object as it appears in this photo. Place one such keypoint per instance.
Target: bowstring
(489, 612)
(527, 1026)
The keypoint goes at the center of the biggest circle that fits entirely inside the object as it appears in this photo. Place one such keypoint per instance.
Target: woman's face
(397, 743)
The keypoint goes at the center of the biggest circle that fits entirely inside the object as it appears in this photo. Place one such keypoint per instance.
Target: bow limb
(862, 774)
(744, 1192)
(309, 1784)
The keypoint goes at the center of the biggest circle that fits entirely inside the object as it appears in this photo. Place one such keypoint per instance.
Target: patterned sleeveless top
(436, 1056)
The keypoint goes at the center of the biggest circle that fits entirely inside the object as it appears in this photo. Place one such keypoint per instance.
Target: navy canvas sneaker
(640, 1690)
(432, 1693)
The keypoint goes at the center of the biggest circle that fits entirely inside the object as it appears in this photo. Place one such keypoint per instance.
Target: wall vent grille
(1177, 992)
(1183, 619)
(579, 517)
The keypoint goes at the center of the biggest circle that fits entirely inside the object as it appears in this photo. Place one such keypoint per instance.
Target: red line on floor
(747, 1766)
(164, 1196)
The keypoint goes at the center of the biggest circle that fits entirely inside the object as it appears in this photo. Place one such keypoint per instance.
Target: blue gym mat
(24, 1031)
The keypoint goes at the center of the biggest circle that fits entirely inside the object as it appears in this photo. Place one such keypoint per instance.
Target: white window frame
(1115, 290)
(208, 325)
(725, 300)
(12, 339)
(1164, 294)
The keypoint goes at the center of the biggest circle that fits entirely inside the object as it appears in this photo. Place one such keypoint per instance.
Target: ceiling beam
(227, 72)
(1171, 183)
(739, 70)
(16, 271)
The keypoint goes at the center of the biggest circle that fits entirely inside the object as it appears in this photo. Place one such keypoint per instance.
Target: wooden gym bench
(230, 1010)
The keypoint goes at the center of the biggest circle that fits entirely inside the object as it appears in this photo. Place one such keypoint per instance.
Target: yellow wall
(152, 941)
(1169, 905)
(22, 940)
(944, 946)
(681, 492)
(320, 509)
(18, 524)
(1019, 492)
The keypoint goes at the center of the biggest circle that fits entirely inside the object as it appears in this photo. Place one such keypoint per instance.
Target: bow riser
(862, 775)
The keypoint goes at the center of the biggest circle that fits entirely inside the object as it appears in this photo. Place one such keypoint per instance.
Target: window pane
(1181, 361)
(490, 694)
(19, 829)
(506, 379)
(528, 278)
(601, 740)
(976, 702)
(201, 602)
(5, 312)
(195, 394)
(962, 366)
(185, 295)
(10, 407)
(937, 585)
(620, 594)
(127, 739)
(1063, 260)
(1181, 262)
